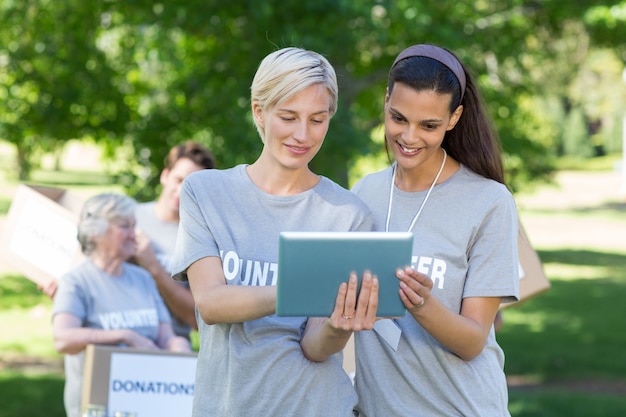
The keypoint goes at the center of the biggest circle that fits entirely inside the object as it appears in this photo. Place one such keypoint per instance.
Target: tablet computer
(311, 266)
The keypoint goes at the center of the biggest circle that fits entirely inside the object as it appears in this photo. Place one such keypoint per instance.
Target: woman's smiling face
(295, 129)
(416, 123)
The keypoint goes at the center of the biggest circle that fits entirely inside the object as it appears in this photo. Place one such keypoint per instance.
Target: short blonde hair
(288, 71)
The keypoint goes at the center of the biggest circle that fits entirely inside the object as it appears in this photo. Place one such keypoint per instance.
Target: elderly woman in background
(106, 300)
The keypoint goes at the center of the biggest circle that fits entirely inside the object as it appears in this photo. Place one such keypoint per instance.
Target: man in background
(157, 224)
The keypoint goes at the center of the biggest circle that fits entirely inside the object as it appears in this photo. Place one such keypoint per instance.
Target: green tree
(145, 75)
(55, 84)
(577, 141)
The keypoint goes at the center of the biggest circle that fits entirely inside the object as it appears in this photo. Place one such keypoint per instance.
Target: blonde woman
(251, 362)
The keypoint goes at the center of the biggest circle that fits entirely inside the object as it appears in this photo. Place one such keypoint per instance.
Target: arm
(49, 289)
(167, 340)
(177, 298)
(463, 334)
(325, 336)
(70, 337)
(221, 303)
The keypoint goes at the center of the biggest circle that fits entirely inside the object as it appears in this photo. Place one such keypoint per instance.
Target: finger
(410, 298)
(406, 280)
(364, 293)
(411, 281)
(360, 311)
(420, 284)
(410, 274)
(372, 305)
(340, 301)
(351, 296)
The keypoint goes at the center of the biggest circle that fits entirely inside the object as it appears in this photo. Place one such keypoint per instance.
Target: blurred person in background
(105, 299)
(157, 224)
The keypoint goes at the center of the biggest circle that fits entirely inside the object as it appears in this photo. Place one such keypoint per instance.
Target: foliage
(55, 83)
(31, 395)
(139, 76)
(575, 136)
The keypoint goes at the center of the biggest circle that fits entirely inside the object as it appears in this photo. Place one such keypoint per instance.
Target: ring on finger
(347, 317)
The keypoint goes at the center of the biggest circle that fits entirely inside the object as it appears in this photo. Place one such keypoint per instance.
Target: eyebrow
(295, 112)
(421, 121)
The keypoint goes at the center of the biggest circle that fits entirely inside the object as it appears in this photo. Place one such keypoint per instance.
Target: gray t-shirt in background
(466, 241)
(102, 301)
(257, 368)
(163, 237)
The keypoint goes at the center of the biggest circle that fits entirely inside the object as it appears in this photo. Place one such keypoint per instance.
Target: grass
(570, 334)
(561, 403)
(600, 163)
(571, 331)
(5, 203)
(25, 307)
(31, 395)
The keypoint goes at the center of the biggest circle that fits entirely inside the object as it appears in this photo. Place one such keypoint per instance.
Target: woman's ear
(454, 119)
(163, 176)
(257, 113)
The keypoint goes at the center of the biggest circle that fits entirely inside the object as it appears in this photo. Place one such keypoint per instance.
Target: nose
(410, 135)
(301, 132)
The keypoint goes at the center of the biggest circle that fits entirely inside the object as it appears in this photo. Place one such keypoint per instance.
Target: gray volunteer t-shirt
(466, 241)
(102, 301)
(257, 368)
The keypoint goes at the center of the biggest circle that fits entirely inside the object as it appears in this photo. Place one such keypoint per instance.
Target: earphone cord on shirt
(393, 180)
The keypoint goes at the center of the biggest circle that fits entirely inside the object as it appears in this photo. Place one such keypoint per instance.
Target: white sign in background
(45, 239)
(151, 385)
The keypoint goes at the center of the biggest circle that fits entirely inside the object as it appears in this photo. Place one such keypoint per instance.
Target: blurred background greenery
(129, 79)
(136, 77)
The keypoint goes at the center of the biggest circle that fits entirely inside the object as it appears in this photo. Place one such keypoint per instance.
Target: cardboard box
(533, 280)
(39, 234)
(147, 383)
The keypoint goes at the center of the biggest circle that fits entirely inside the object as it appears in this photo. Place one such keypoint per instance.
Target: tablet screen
(311, 266)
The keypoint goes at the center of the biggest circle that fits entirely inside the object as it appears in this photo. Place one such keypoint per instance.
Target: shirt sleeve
(493, 265)
(195, 239)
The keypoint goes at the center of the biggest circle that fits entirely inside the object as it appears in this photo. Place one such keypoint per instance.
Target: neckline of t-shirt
(106, 274)
(411, 194)
(259, 191)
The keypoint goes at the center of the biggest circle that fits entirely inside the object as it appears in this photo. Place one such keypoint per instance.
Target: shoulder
(374, 182)
(145, 213)
(337, 194)
(146, 207)
(213, 178)
(139, 276)
(484, 192)
(477, 183)
(216, 173)
(137, 271)
(77, 273)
